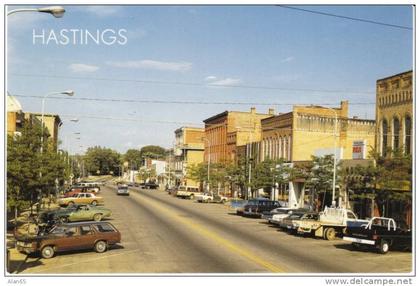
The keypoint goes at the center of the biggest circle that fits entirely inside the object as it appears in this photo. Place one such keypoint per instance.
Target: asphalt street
(164, 234)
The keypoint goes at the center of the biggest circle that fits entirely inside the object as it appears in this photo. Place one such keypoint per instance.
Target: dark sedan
(256, 207)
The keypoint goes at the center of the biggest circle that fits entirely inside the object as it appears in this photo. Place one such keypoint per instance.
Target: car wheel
(71, 204)
(97, 217)
(64, 219)
(329, 233)
(100, 246)
(47, 252)
(384, 247)
(94, 203)
(191, 197)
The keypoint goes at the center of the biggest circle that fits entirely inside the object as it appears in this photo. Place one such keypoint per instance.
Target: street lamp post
(74, 120)
(68, 93)
(208, 164)
(56, 11)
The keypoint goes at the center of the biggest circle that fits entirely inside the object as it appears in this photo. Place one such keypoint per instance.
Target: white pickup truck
(332, 222)
(211, 198)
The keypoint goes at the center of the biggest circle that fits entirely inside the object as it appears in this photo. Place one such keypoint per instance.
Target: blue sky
(264, 46)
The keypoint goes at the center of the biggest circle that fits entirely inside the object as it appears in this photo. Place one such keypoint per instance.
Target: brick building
(229, 129)
(394, 112)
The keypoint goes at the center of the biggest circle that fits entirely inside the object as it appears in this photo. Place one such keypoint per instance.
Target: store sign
(359, 149)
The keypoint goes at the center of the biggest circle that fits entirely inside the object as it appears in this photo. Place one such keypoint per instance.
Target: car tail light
(374, 237)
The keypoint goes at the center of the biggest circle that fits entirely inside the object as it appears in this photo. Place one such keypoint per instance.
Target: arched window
(384, 137)
(407, 134)
(396, 133)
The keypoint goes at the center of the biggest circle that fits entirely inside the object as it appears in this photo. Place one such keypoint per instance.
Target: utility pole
(208, 164)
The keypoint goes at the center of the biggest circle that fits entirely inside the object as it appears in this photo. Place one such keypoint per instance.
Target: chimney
(271, 111)
(253, 110)
(344, 108)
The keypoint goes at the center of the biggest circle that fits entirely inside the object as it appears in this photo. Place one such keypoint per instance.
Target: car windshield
(296, 216)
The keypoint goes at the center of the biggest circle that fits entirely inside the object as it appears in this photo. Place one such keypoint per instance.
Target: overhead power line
(349, 133)
(160, 82)
(347, 17)
(186, 102)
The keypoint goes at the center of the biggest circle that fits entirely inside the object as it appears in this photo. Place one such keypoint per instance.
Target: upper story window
(396, 132)
(408, 127)
(384, 137)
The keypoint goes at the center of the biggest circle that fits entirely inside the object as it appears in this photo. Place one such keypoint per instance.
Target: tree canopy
(30, 173)
(152, 151)
(133, 157)
(102, 161)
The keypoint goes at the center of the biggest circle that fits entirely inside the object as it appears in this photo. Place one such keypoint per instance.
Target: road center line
(215, 237)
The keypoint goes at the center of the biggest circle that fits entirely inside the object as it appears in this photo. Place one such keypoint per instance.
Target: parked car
(380, 233)
(53, 216)
(83, 213)
(278, 218)
(70, 236)
(151, 186)
(256, 207)
(75, 190)
(291, 222)
(123, 190)
(81, 198)
(211, 198)
(268, 215)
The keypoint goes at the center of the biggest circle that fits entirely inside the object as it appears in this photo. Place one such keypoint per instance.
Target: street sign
(359, 149)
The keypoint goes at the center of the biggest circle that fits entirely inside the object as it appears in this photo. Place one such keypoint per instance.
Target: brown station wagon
(71, 236)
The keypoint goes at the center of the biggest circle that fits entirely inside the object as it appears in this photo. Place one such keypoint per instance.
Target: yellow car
(81, 199)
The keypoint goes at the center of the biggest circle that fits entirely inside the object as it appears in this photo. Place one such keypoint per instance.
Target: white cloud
(210, 78)
(226, 82)
(83, 68)
(288, 59)
(102, 11)
(154, 65)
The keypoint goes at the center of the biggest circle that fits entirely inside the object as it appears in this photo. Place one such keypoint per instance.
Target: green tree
(237, 173)
(197, 172)
(389, 178)
(30, 173)
(133, 157)
(321, 178)
(147, 174)
(104, 160)
(269, 172)
(152, 151)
